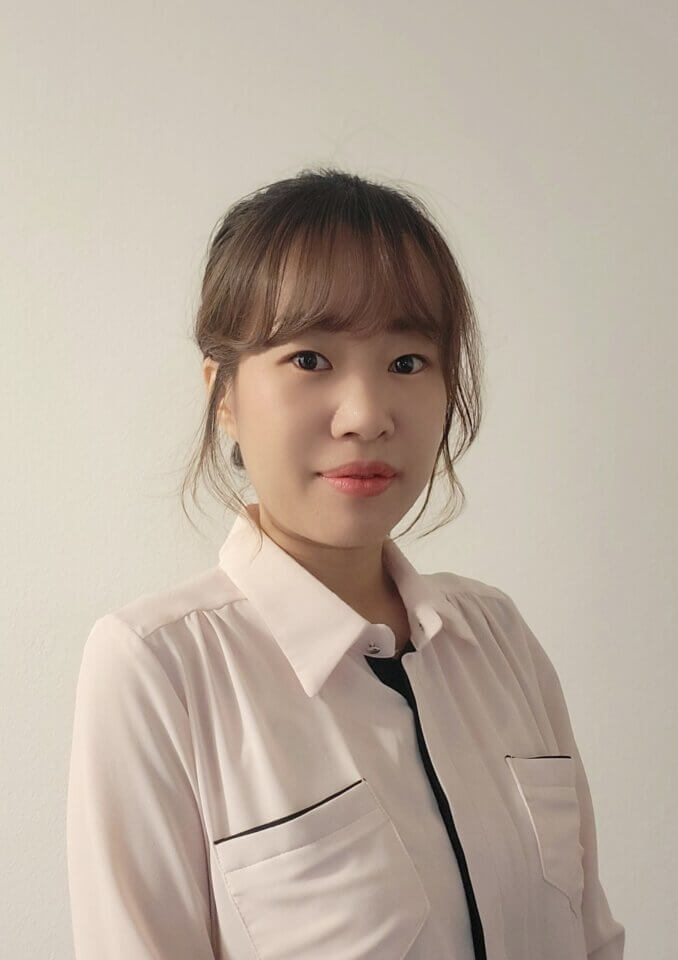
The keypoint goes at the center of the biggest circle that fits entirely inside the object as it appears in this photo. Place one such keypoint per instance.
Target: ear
(225, 415)
(209, 368)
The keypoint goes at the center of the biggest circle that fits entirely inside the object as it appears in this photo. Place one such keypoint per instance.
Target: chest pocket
(332, 880)
(547, 788)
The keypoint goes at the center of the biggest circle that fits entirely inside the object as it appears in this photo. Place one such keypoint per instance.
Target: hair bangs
(362, 282)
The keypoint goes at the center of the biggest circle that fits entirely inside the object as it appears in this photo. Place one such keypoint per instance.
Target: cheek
(261, 400)
(427, 413)
(280, 418)
(426, 437)
(290, 409)
(439, 408)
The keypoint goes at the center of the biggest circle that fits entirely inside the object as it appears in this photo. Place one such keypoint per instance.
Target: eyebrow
(401, 323)
(406, 323)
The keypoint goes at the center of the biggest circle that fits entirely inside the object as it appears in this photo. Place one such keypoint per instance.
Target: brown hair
(308, 212)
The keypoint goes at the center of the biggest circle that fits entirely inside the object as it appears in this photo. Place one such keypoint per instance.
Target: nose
(364, 409)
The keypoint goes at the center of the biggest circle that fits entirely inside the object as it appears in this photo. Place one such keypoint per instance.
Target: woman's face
(327, 398)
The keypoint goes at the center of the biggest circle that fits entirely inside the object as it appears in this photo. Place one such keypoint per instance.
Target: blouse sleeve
(136, 853)
(603, 933)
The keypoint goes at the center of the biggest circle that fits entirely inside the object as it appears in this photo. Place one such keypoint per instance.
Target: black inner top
(391, 671)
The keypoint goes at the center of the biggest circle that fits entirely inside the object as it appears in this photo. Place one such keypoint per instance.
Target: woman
(312, 750)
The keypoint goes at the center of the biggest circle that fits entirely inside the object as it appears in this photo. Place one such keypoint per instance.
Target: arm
(137, 866)
(604, 935)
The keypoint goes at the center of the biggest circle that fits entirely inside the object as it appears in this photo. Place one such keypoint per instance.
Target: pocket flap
(321, 819)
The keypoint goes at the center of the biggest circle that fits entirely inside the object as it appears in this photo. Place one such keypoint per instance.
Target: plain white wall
(543, 136)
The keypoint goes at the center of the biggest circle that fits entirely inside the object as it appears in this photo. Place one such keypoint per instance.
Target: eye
(314, 353)
(306, 353)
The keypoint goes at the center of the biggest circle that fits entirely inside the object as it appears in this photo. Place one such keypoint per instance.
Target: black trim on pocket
(545, 756)
(290, 816)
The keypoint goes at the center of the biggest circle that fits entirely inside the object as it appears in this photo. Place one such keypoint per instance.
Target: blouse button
(373, 648)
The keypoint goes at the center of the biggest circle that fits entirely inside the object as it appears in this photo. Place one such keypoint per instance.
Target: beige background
(543, 136)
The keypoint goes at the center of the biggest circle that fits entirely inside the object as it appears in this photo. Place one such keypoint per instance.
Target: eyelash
(317, 354)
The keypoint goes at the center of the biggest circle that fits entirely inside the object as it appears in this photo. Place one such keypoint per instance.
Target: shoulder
(156, 610)
(494, 618)
(162, 634)
(455, 584)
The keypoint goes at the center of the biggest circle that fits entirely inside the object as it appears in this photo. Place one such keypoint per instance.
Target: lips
(362, 468)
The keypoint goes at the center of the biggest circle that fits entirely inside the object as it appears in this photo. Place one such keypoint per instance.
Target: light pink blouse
(242, 786)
